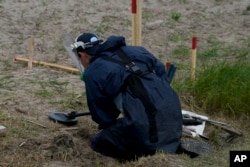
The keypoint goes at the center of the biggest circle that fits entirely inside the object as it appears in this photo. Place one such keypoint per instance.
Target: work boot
(194, 147)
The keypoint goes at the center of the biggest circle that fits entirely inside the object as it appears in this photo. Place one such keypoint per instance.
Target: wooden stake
(31, 52)
(136, 7)
(193, 61)
(139, 23)
(56, 66)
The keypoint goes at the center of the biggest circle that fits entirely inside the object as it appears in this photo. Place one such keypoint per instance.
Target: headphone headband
(93, 41)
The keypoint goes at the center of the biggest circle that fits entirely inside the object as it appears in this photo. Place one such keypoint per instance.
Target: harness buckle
(133, 68)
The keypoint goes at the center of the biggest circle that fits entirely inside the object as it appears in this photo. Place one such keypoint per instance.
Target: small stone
(3, 131)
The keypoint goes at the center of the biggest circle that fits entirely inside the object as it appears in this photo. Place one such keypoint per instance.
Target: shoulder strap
(126, 61)
(135, 84)
(138, 90)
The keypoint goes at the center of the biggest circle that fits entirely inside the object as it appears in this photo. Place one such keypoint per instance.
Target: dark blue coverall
(128, 137)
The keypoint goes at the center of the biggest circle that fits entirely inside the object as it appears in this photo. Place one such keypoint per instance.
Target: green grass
(216, 51)
(222, 87)
(184, 1)
(181, 51)
(176, 16)
(209, 52)
(6, 82)
(6, 65)
(248, 8)
(247, 11)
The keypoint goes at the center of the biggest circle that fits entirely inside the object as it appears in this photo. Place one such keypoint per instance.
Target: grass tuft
(224, 87)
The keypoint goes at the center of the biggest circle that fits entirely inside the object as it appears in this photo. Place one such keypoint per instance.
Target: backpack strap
(129, 64)
(135, 84)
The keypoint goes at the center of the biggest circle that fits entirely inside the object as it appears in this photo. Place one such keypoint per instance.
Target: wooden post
(55, 66)
(136, 7)
(139, 23)
(193, 58)
(31, 52)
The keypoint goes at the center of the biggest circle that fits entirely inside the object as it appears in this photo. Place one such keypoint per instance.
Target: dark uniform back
(152, 118)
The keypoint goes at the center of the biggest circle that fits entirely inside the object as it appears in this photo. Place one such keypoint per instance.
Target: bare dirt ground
(28, 96)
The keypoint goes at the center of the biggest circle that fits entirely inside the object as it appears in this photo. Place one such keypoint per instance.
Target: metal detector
(66, 118)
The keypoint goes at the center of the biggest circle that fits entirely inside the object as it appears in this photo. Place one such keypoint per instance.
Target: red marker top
(133, 6)
(167, 65)
(194, 43)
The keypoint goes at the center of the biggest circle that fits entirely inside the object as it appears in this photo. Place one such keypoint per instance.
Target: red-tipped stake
(133, 8)
(136, 6)
(193, 61)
